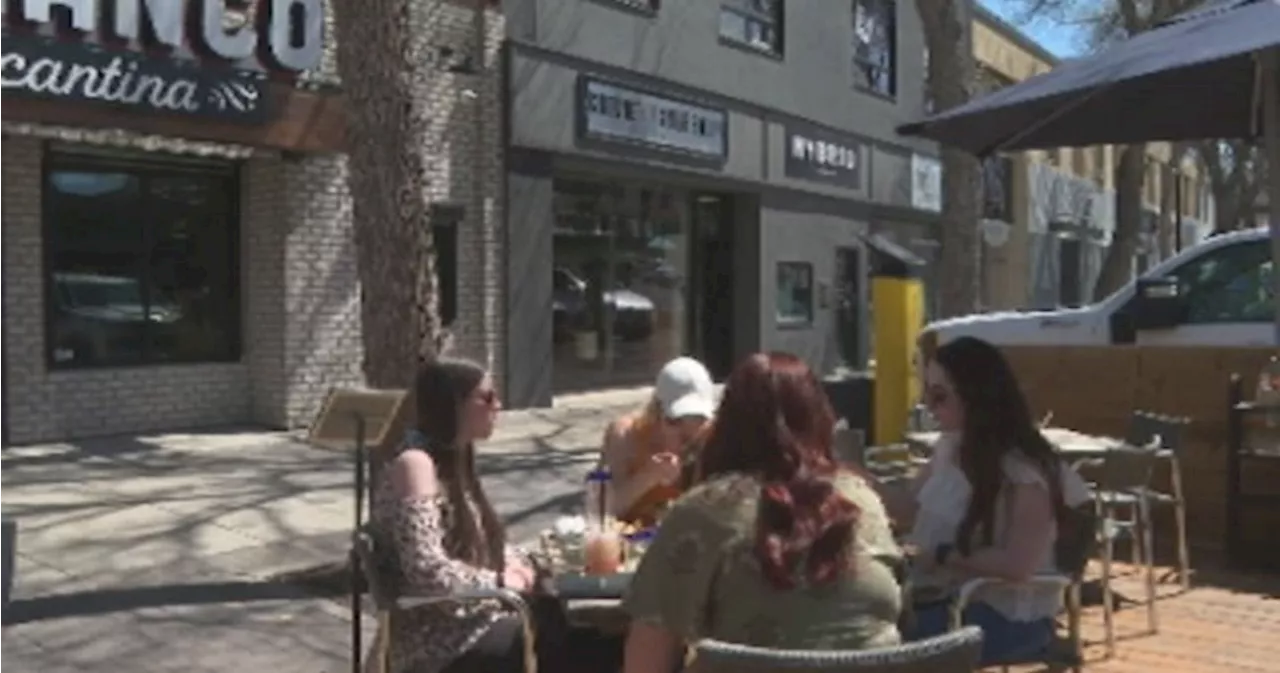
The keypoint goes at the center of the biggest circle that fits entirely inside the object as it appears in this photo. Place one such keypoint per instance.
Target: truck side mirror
(1157, 304)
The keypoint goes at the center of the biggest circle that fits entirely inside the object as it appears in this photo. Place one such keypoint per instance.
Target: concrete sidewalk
(149, 554)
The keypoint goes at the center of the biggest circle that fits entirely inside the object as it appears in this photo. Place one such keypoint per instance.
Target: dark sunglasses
(936, 397)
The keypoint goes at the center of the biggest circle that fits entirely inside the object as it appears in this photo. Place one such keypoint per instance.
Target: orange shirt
(647, 440)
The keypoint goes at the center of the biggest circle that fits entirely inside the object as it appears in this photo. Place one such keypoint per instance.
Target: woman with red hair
(777, 547)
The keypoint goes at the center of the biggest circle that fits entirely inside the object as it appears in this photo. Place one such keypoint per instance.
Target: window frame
(791, 321)
(445, 221)
(856, 62)
(147, 166)
(777, 21)
(991, 208)
(646, 8)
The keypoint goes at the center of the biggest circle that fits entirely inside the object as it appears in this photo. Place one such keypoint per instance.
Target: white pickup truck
(1216, 293)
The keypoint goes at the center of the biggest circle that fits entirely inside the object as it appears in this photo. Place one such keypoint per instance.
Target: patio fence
(1094, 389)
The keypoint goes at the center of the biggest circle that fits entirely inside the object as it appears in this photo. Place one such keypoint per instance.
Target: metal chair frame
(954, 652)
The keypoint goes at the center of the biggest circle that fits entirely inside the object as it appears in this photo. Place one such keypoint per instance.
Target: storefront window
(141, 262)
(619, 282)
(795, 294)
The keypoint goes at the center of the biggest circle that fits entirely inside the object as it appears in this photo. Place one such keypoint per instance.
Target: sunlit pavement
(150, 554)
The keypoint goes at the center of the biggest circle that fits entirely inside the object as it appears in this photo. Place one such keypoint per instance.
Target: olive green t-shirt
(701, 579)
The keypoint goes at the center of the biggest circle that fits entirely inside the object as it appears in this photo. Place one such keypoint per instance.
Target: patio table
(592, 601)
(1074, 445)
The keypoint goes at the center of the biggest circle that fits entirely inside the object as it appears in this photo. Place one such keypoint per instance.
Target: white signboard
(614, 113)
(287, 35)
(926, 183)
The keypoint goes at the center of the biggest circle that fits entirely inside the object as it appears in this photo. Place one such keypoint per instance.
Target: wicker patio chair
(1076, 544)
(955, 652)
(376, 565)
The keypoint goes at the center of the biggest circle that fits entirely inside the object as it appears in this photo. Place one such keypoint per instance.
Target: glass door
(711, 279)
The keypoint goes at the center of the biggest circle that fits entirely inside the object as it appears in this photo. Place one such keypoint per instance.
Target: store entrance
(711, 277)
(848, 323)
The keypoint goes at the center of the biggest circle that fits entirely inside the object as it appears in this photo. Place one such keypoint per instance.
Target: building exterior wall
(467, 169)
(299, 283)
(674, 52)
(799, 228)
(1011, 278)
(678, 44)
(44, 405)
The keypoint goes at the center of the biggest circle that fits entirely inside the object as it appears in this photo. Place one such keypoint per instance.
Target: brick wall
(54, 405)
(300, 349)
(300, 289)
(466, 167)
(302, 328)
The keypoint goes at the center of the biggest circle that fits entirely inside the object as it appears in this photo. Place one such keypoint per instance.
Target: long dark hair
(775, 422)
(997, 423)
(442, 388)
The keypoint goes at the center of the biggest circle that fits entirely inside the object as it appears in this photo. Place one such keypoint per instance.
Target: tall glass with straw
(602, 548)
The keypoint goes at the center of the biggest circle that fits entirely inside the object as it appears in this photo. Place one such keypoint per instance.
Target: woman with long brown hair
(989, 503)
(776, 547)
(446, 534)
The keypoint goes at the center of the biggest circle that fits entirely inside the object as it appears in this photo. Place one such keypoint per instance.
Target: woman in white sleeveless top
(988, 503)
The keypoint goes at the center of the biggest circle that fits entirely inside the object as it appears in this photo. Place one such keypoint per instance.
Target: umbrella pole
(1269, 69)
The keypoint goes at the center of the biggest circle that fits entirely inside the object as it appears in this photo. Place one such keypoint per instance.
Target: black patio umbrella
(1213, 72)
(1197, 76)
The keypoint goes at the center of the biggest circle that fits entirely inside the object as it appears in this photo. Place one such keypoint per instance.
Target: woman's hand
(518, 576)
(663, 469)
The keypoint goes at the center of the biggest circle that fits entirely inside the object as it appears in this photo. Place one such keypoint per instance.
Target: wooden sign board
(385, 413)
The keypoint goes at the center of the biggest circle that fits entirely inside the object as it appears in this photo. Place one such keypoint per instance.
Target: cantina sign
(39, 67)
(288, 34)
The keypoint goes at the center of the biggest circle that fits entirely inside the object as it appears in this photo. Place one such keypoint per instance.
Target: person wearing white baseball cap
(644, 450)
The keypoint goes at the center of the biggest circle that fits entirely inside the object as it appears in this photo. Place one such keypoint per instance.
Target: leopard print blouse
(427, 639)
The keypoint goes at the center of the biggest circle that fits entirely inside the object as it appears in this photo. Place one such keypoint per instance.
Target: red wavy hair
(775, 422)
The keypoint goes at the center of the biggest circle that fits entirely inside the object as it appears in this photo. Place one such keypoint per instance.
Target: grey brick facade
(299, 289)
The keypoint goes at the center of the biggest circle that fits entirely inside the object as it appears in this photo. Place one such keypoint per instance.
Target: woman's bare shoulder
(622, 426)
(413, 475)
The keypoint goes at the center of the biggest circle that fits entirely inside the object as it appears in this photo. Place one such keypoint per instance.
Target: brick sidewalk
(1226, 622)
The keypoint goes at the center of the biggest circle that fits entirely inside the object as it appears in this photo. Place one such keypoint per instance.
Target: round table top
(1067, 441)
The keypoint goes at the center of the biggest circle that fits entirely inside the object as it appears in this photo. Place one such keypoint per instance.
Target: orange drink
(602, 553)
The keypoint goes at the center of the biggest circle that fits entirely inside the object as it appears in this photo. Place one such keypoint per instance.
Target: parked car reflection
(633, 313)
(103, 318)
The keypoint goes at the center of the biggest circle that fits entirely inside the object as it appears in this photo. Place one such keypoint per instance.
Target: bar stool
(1124, 512)
(1163, 434)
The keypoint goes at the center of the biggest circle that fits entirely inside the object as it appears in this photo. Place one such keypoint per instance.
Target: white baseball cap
(684, 388)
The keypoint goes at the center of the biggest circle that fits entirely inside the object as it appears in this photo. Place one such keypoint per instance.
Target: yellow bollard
(897, 299)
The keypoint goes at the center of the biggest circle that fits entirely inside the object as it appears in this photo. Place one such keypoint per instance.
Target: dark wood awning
(303, 120)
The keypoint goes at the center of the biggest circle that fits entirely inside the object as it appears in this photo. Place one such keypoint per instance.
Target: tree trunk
(1117, 265)
(382, 63)
(952, 76)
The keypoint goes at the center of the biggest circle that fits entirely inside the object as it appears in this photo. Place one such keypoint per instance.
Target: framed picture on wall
(795, 294)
